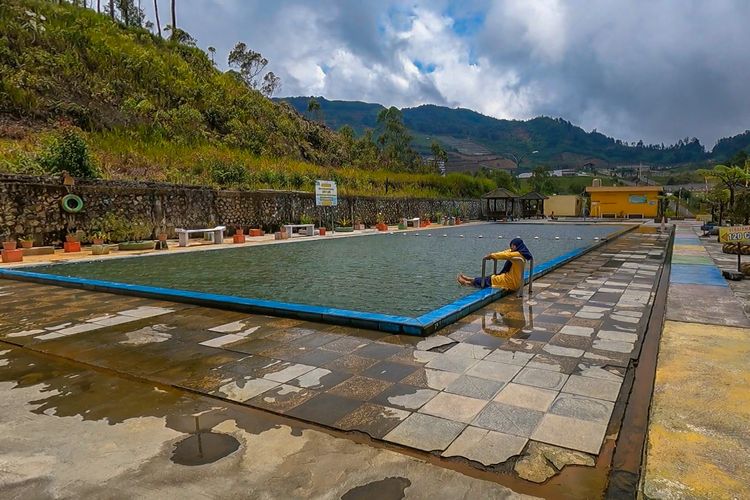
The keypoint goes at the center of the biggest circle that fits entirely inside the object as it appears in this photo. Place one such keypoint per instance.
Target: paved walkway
(529, 387)
(698, 440)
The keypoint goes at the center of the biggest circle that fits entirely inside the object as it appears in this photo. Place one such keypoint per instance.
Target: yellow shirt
(513, 279)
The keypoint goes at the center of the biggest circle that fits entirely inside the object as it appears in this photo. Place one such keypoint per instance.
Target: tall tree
(439, 156)
(98, 6)
(112, 9)
(250, 65)
(212, 51)
(174, 20)
(394, 140)
(731, 177)
(156, 14)
(313, 109)
(541, 181)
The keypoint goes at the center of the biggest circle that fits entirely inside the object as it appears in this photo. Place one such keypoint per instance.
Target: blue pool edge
(423, 325)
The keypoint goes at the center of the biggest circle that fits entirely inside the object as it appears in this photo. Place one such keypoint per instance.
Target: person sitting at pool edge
(511, 276)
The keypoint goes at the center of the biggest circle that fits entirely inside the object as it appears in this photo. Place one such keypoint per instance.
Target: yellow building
(624, 201)
(563, 205)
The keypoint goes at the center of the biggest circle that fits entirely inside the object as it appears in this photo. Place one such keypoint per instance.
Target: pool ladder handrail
(520, 289)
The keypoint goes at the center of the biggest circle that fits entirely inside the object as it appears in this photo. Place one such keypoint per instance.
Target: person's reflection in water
(513, 318)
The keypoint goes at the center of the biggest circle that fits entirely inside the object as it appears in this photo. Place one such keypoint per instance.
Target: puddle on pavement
(390, 488)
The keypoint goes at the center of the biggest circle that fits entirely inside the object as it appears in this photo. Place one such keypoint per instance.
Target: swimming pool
(404, 281)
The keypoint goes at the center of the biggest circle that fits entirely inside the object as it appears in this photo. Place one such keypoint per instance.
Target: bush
(67, 151)
(226, 173)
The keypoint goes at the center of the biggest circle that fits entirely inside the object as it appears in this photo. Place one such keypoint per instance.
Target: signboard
(734, 234)
(326, 194)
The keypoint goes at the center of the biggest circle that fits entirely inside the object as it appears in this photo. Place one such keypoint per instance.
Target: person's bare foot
(463, 280)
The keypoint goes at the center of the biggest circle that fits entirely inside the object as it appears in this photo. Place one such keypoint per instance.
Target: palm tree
(174, 21)
(156, 12)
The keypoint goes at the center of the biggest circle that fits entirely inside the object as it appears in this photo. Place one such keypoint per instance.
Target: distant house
(630, 202)
(563, 205)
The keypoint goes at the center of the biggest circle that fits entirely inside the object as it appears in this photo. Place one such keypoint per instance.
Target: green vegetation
(82, 93)
(557, 140)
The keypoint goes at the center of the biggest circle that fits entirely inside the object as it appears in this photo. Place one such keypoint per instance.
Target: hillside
(131, 104)
(557, 141)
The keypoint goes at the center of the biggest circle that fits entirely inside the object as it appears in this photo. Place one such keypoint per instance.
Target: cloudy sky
(656, 70)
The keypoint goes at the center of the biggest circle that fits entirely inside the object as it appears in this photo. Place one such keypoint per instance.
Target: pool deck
(698, 439)
(518, 393)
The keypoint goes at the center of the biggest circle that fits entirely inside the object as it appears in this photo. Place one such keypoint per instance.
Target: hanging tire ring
(72, 203)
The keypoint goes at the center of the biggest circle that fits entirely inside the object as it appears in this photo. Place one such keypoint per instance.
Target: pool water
(404, 273)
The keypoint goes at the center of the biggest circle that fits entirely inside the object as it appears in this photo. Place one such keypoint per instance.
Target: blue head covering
(520, 248)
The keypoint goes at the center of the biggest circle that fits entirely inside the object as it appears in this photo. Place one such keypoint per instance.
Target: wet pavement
(698, 440)
(519, 389)
(71, 432)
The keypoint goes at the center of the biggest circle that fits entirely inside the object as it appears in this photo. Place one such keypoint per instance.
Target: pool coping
(423, 325)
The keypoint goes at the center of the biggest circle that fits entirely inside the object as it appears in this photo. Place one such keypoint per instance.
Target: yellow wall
(564, 205)
(621, 204)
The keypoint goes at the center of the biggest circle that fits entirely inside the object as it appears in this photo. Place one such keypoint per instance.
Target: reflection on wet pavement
(544, 370)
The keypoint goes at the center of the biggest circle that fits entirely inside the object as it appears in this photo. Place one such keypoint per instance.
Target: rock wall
(31, 205)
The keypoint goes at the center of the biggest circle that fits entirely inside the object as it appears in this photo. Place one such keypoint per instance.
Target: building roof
(624, 189)
(500, 193)
(534, 196)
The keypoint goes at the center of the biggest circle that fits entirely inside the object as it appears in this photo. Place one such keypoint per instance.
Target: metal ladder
(520, 290)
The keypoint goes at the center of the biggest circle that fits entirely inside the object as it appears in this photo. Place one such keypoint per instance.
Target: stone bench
(217, 233)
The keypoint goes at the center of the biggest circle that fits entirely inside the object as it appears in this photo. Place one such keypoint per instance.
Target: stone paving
(698, 439)
(511, 378)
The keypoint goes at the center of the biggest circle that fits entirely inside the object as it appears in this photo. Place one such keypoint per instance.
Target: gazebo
(532, 205)
(499, 204)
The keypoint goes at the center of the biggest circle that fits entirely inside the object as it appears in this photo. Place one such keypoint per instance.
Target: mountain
(558, 142)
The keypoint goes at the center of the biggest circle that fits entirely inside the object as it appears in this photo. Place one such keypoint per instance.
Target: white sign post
(326, 195)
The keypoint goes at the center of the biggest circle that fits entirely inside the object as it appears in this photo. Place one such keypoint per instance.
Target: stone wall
(31, 205)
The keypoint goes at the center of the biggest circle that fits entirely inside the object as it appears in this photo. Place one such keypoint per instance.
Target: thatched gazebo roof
(499, 194)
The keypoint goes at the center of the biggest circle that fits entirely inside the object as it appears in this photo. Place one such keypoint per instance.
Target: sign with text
(734, 234)
(326, 194)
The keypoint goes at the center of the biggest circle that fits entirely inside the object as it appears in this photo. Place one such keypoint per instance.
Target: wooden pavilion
(500, 204)
(532, 205)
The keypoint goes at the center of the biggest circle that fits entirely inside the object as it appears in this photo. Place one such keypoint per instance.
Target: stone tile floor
(544, 370)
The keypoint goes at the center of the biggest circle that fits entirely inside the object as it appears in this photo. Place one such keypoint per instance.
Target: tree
(156, 14)
(112, 9)
(439, 156)
(394, 141)
(731, 177)
(271, 83)
(130, 13)
(250, 65)
(541, 181)
(313, 108)
(174, 20)
(212, 51)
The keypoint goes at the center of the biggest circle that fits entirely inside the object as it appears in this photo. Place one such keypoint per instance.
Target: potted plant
(98, 237)
(136, 234)
(73, 242)
(27, 241)
(358, 226)
(344, 226)
(8, 242)
(381, 225)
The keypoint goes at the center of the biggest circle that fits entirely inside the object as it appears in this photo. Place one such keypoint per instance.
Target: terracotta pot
(322, 231)
(27, 243)
(256, 232)
(72, 246)
(9, 245)
(382, 226)
(9, 256)
(238, 238)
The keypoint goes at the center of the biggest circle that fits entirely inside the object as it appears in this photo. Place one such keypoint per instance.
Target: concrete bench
(309, 229)
(414, 222)
(217, 234)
